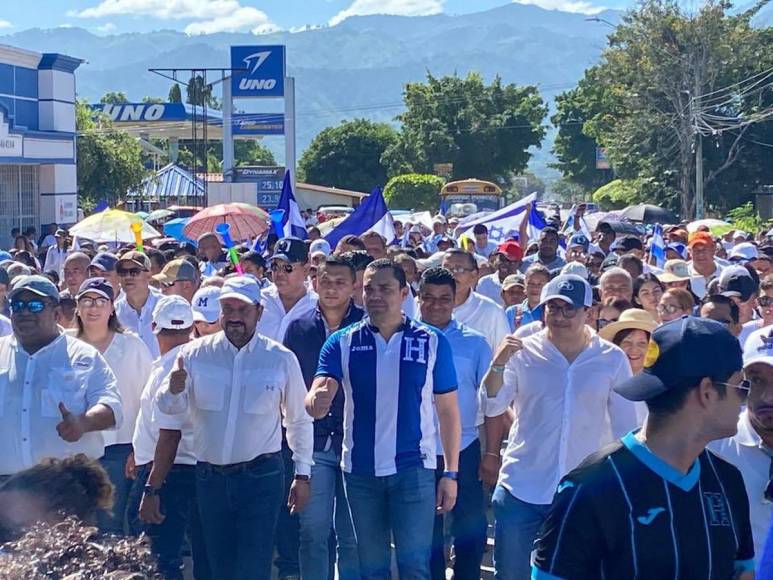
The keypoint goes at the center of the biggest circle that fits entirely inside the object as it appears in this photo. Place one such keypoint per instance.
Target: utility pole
(699, 210)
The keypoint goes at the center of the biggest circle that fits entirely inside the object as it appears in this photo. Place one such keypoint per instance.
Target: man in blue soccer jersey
(657, 504)
(391, 370)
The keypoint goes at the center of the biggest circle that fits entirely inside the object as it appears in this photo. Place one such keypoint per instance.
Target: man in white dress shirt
(238, 388)
(135, 306)
(56, 392)
(559, 382)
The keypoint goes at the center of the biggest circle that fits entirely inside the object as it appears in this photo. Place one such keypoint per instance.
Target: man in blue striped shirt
(391, 369)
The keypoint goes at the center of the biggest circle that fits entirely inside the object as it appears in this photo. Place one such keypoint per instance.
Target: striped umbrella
(247, 221)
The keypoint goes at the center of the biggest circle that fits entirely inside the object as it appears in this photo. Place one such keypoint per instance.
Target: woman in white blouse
(130, 360)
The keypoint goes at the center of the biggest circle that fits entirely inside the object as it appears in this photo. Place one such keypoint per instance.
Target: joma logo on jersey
(415, 346)
(363, 348)
(716, 507)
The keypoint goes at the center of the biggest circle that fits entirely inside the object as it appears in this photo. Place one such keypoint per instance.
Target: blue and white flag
(568, 228)
(293, 223)
(658, 248)
(372, 215)
(506, 222)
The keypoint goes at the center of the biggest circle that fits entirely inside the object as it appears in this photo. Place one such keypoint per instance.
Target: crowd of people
(354, 410)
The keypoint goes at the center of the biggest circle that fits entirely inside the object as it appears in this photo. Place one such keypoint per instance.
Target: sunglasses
(765, 301)
(667, 308)
(566, 311)
(743, 388)
(286, 268)
(133, 272)
(32, 306)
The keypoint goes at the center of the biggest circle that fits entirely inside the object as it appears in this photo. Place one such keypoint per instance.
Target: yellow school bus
(484, 194)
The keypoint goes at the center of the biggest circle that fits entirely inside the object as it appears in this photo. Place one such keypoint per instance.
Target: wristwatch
(302, 477)
(451, 475)
(151, 491)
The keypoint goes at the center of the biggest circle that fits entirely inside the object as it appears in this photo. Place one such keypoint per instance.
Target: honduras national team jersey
(388, 387)
(625, 513)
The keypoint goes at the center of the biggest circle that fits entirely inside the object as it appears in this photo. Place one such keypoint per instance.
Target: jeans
(114, 462)
(468, 521)
(178, 500)
(517, 524)
(287, 529)
(239, 506)
(327, 500)
(399, 506)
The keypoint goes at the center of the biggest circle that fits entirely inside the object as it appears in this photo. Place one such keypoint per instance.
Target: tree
(175, 96)
(348, 156)
(109, 160)
(414, 191)
(245, 153)
(198, 92)
(114, 98)
(153, 100)
(484, 130)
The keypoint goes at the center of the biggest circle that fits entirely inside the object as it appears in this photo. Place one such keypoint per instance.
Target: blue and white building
(38, 175)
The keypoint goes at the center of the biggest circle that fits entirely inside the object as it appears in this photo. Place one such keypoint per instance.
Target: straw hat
(631, 319)
(674, 271)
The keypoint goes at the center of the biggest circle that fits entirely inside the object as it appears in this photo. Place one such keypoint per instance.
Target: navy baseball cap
(739, 282)
(579, 240)
(680, 354)
(291, 250)
(98, 286)
(36, 284)
(104, 262)
(570, 288)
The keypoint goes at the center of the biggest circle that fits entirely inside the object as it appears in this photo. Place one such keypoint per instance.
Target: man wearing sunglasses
(135, 307)
(179, 278)
(56, 392)
(751, 449)
(657, 504)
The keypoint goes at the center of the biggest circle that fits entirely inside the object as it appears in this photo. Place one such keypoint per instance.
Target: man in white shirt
(703, 267)
(75, 271)
(507, 261)
(56, 392)
(472, 309)
(483, 246)
(559, 382)
(135, 307)
(163, 494)
(751, 448)
(210, 253)
(238, 388)
(290, 297)
(56, 254)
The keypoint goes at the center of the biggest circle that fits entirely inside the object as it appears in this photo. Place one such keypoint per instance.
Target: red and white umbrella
(247, 221)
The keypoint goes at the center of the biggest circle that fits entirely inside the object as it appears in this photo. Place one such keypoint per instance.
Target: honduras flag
(658, 248)
(506, 222)
(292, 222)
(372, 215)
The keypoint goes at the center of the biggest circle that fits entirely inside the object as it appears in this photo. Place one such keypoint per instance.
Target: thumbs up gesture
(70, 428)
(322, 395)
(178, 377)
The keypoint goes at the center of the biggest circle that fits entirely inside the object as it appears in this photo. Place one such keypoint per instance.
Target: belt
(236, 467)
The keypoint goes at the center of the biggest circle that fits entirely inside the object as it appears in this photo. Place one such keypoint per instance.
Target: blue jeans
(327, 499)
(178, 500)
(517, 524)
(114, 462)
(287, 529)
(239, 506)
(468, 521)
(399, 506)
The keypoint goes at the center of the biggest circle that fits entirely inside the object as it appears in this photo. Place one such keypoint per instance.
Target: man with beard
(547, 253)
(238, 388)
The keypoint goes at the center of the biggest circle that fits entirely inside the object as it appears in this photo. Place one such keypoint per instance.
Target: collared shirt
(472, 357)
(520, 315)
(698, 282)
(305, 336)
(491, 287)
(65, 371)
(131, 362)
(6, 327)
(237, 399)
(210, 269)
(275, 319)
(140, 323)
(54, 261)
(563, 412)
(487, 250)
(150, 419)
(389, 419)
(485, 316)
(555, 264)
(753, 459)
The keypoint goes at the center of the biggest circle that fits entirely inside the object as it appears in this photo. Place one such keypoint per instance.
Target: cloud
(5, 24)
(106, 28)
(579, 6)
(396, 7)
(209, 16)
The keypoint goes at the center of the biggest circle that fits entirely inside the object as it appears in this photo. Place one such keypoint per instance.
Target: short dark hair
(359, 259)
(386, 264)
(352, 240)
(438, 276)
(673, 399)
(548, 230)
(721, 300)
(479, 229)
(314, 228)
(460, 252)
(630, 258)
(156, 257)
(340, 261)
(253, 257)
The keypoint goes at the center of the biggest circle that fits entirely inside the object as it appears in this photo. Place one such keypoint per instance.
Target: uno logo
(653, 353)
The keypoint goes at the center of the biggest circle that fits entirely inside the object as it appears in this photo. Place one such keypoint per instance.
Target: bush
(414, 191)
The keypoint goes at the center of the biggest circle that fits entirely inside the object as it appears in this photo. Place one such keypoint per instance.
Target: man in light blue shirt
(472, 356)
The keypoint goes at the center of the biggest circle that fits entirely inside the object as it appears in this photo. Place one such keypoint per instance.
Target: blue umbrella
(174, 229)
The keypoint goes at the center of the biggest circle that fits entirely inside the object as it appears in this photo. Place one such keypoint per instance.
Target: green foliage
(745, 218)
(198, 92)
(175, 96)
(414, 191)
(618, 193)
(114, 98)
(245, 153)
(153, 100)
(348, 156)
(109, 160)
(484, 130)
(567, 190)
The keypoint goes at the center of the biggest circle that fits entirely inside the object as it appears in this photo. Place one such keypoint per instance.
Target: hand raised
(178, 377)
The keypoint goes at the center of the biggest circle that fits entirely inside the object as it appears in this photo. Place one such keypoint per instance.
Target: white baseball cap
(206, 306)
(244, 288)
(744, 251)
(758, 347)
(172, 313)
(320, 245)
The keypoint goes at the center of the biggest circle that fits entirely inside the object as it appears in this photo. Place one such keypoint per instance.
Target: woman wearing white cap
(130, 360)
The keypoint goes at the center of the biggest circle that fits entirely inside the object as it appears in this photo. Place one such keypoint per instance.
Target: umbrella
(112, 225)
(158, 215)
(174, 229)
(247, 221)
(649, 214)
(716, 227)
(142, 214)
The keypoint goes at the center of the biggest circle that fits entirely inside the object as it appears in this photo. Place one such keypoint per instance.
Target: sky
(258, 16)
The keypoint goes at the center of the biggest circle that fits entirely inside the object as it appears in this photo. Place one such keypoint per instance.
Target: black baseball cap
(105, 262)
(681, 353)
(291, 250)
(738, 282)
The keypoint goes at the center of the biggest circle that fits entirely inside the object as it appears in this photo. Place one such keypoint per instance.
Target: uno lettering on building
(259, 71)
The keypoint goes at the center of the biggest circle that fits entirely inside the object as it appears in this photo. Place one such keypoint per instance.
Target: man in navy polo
(391, 370)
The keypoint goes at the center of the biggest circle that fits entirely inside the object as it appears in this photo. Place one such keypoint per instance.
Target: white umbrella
(112, 225)
(716, 227)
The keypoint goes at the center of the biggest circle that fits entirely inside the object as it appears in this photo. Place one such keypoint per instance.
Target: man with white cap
(206, 311)
(751, 448)
(559, 382)
(239, 388)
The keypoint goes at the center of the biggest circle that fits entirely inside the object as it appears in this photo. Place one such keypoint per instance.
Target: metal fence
(19, 195)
